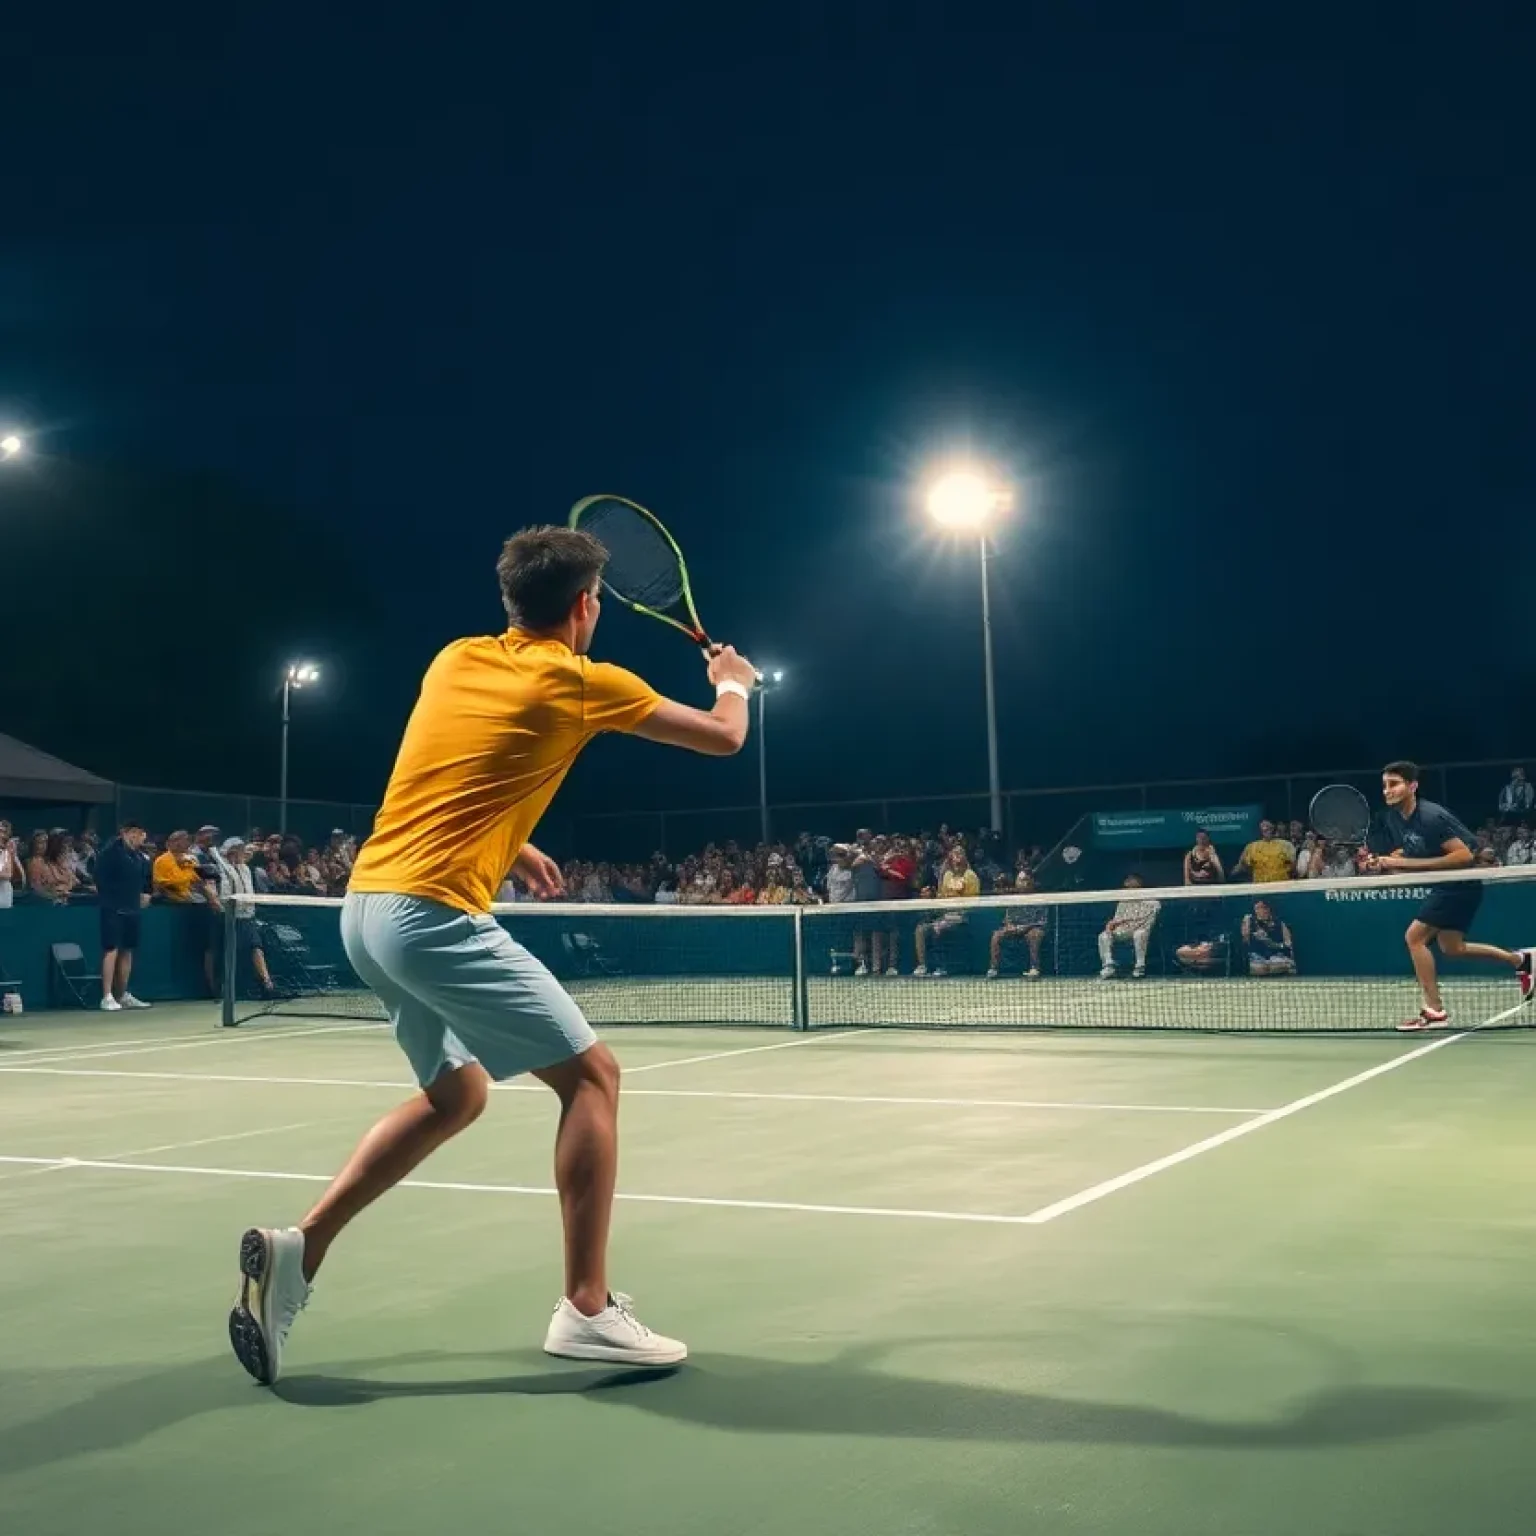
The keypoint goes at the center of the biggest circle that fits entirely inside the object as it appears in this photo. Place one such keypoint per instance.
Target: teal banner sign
(1227, 824)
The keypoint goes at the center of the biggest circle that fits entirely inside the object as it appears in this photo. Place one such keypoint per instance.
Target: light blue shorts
(458, 989)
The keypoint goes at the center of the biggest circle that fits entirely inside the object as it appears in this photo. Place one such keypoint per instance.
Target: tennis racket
(646, 570)
(1341, 814)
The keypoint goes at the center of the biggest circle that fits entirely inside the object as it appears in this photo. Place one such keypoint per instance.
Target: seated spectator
(340, 849)
(13, 877)
(839, 880)
(1268, 942)
(1520, 850)
(595, 886)
(958, 880)
(1334, 861)
(1297, 834)
(312, 879)
(1202, 864)
(1308, 853)
(1025, 922)
(48, 871)
(1207, 946)
(800, 892)
(1487, 858)
(775, 891)
(1268, 857)
(1132, 924)
(176, 872)
(82, 858)
(736, 893)
(1518, 798)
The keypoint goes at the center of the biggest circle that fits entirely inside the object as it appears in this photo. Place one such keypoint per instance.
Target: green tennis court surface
(932, 1283)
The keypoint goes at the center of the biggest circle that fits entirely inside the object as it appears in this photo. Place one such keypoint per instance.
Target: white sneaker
(920, 970)
(615, 1335)
(128, 1000)
(1033, 973)
(1138, 973)
(992, 974)
(110, 1004)
(938, 971)
(1107, 974)
(861, 969)
(273, 1291)
(891, 970)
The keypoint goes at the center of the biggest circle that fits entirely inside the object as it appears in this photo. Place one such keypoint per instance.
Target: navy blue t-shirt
(1422, 835)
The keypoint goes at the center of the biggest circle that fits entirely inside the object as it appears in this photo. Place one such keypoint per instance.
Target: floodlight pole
(282, 790)
(994, 778)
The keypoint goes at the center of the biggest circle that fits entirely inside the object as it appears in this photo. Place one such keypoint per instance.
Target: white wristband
(730, 686)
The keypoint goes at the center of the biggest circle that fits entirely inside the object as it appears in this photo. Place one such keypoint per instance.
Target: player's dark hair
(130, 825)
(1403, 769)
(544, 570)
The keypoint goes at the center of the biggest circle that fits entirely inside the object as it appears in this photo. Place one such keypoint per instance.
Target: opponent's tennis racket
(1341, 814)
(645, 570)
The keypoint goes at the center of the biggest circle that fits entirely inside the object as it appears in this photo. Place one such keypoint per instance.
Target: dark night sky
(1241, 296)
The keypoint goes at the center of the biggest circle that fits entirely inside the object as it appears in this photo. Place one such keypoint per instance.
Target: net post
(229, 970)
(801, 1015)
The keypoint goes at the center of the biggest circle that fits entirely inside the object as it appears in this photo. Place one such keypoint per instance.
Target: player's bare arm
(717, 732)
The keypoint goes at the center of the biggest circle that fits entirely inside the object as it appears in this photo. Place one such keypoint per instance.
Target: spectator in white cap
(237, 886)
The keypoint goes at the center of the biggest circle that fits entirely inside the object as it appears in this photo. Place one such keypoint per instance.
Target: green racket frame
(695, 630)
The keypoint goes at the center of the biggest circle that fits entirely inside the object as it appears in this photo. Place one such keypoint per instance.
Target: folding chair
(586, 956)
(293, 973)
(80, 980)
(8, 988)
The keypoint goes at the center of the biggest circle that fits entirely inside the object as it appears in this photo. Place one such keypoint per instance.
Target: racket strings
(642, 565)
(1341, 814)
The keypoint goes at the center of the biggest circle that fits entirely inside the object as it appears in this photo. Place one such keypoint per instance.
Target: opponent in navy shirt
(1425, 836)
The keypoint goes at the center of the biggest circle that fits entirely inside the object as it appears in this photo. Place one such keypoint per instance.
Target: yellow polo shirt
(499, 722)
(175, 879)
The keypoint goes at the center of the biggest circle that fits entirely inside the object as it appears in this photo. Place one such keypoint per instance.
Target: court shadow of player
(114, 1407)
(846, 1396)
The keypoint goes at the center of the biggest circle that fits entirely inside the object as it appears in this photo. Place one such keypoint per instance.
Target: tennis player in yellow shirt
(498, 724)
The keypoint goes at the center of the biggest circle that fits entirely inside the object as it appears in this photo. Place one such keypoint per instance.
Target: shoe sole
(246, 1336)
(611, 1356)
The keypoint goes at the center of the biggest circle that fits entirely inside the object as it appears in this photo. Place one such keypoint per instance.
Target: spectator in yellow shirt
(1268, 857)
(958, 879)
(176, 872)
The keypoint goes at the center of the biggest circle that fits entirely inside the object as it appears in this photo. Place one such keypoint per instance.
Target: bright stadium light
(11, 445)
(299, 674)
(777, 675)
(966, 498)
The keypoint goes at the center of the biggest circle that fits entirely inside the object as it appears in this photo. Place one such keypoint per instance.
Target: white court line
(525, 1189)
(1247, 1128)
(181, 1043)
(652, 1093)
(750, 1050)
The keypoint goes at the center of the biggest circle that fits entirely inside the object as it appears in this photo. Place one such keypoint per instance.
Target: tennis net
(1315, 956)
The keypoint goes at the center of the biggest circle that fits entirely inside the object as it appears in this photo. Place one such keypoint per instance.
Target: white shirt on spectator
(839, 883)
(1520, 851)
(1133, 915)
(235, 881)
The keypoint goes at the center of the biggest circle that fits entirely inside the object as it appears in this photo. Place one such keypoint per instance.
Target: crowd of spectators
(205, 869)
(58, 866)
